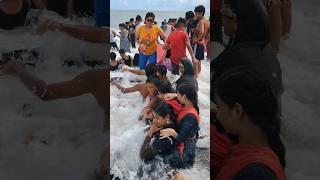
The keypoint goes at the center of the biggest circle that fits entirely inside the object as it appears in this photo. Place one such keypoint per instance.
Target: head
(152, 85)
(138, 19)
(190, 16)
(199, 11)
(131, 20)
(122, 52)
(149, 19)
(165, 87)
(151, 70)
(161, 71)
(122, 26)
(245, 20)
(162, 114)
(113, 56)
(186, 67)
(181, 24)
(186, 92)
(244, 98)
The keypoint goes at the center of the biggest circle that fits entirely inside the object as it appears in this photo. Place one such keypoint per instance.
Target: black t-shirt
(162, 146)
(131, 28)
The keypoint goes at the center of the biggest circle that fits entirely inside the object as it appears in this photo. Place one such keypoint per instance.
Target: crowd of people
(246, 89)
(166, 43)
(172, 110)
(13, 14)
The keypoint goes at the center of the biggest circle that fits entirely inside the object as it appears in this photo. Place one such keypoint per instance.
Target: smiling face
(149, 21)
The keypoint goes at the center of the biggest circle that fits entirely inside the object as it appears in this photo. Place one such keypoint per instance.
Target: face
(120, 27)
(149, 21)
(160, 121)
(152, 89)
(181, 68)
(229, 21)
(198, 15)
(228, 116)
(158, 74)
(181, 98)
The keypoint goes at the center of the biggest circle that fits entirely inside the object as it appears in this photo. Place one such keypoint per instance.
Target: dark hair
(122, 51)
(122, 25)
(200, 9)
(113, 56)
(181, 22)
(189, 15)
(247, 87)
(162, 109)
(154, 80)
(162, 69)
(150, 14)
(151, 70)
(131, 19)
(138, 18)
(165, 87)
(190, 91)
(155, 22)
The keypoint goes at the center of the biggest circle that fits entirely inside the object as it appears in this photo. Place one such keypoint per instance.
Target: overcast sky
(159, 5)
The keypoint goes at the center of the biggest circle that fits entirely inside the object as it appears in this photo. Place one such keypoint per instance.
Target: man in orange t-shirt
(147, 38)
(178, 41)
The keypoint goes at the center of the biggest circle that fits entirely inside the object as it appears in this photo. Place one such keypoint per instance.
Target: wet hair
(162, 69)
(247, 87)
(122, 51)
(122, 25)
(189, 15)
(154, 80)
(113, 56)
(151, 70)
(131, 19)
(162, 109)
(181, 22)
(190, 91)
(200, 9)
(138, 18)
(165, 87)
(150, 14)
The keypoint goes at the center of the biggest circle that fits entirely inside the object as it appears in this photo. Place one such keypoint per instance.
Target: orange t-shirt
(149, 38)
(178, 43)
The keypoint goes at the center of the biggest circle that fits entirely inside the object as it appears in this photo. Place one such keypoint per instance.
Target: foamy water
(127, 133)
(68, 134)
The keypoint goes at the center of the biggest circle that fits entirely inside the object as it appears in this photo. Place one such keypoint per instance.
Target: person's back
(177, 41)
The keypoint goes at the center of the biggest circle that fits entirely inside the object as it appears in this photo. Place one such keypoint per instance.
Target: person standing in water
(132, 33)
(147, 38)
(200, 33)
(124, 42)
(178, 42)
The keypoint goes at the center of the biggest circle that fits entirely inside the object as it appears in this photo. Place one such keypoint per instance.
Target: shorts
(143, 59)
(199, 51)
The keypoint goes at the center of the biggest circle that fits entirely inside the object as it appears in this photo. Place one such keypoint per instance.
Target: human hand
(49, 25)
(168, 132)
(13, 69)
(153, 128)
(170, 96)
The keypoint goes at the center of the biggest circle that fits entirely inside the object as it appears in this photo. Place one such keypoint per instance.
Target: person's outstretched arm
(66, 89)
(85, 33)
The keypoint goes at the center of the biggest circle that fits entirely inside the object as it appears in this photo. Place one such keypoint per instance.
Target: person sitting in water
(154, 145)
(150, 70)
(187, 122)
(162, 72)
(187, 73)
(258, 151)
(114, 64)
(125, 59)
(13, 13)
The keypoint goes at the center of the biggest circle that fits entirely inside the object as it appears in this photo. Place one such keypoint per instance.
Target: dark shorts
(175, 68)
(199, 51)
(168, 55)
